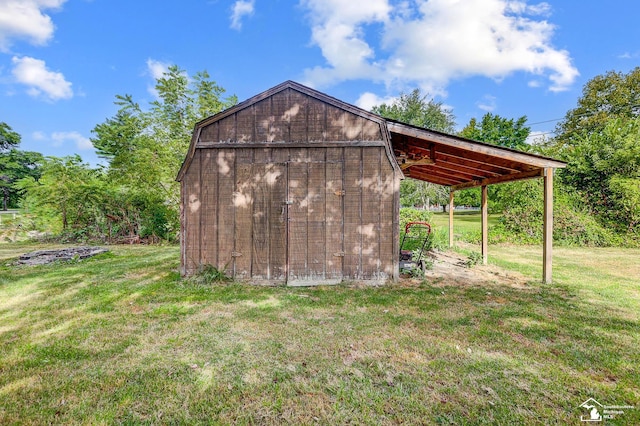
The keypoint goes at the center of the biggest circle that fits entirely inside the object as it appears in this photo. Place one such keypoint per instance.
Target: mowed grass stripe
(122, 339)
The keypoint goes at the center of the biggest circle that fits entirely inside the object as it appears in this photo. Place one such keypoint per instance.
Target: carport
(461, 163)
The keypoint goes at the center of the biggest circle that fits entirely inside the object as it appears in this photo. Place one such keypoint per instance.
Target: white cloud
(240, 9)
(82, 143)
(39, 136)
(429, 43)
(34, 74)
(368, 100)
(157, 69)
(487, 103)
(25, 19)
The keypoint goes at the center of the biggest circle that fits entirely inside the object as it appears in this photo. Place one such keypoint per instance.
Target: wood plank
(225, 163)
(547, 249)
(316, 215)
(388, 221)
(261, 174)
(277, 216)
(469, 165)
(245, 125)
(316, 121)
(280, 126)
(209, 173)
(183, 227)
(371, 204)
(280, 144)
(473, 146)
(353, 125)
(451, 209)
(210, 133)
(334, 209)
(353, 213)
(485, 225)
(280, 155)
(335, 124)
(297, 221)
(192, 214)
(243, 204)
(474, 173)
(371, 131)
(447, 171)
(499, 179)
(437, 179)
(298, 117)
(263, 119)
(227, 129)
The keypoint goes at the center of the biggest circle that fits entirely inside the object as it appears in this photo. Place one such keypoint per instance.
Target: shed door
(315, 222)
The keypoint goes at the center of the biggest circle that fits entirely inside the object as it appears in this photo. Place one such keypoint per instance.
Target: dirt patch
(42, 257)
(452, 268)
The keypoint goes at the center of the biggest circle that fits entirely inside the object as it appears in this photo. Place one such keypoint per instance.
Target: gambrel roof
(284, 114)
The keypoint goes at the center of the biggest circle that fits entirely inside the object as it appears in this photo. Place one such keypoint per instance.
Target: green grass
(122, 339)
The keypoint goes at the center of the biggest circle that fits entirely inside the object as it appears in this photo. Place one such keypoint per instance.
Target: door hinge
(236, 254)
(288, 202)
(339, 254)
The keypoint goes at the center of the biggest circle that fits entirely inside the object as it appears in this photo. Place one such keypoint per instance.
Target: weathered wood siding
(291, 189)
(290, 116)
(323, 214)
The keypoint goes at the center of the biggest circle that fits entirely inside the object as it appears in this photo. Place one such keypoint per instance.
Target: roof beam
(474, 146)
(499, 179)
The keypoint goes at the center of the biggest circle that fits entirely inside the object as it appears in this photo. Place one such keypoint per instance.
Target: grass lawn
(122, 339)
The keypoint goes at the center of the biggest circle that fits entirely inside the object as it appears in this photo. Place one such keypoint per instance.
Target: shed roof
(421, 154)
(458, 162)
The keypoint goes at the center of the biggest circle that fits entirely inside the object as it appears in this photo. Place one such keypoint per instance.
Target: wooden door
(315, 219)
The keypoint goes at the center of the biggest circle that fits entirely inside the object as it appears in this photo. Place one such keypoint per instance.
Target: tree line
(134, 194)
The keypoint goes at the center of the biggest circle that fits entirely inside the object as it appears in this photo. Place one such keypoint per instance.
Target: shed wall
(301, 215)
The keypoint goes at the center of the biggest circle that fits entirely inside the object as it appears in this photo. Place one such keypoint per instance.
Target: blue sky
(63, 61)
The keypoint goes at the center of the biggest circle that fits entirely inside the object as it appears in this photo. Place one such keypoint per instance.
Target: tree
(418, 110)
(68, 189)
(144, 148)
(604, 97)
(600, 140)
(421, 111)
(14, 165)
(605, 166)
(8, 138)
(498, 130)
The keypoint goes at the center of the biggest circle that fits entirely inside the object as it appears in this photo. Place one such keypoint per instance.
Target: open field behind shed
(121, 338)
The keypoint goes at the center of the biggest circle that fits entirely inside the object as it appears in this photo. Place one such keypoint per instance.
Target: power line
(584, 114)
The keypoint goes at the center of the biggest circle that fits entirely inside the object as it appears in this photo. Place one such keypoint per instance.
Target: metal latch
(339, 254)
(340, 192)
(236, 254)
(288, 202)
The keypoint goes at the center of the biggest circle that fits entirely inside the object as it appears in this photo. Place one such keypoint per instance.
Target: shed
(295, 186)
(291, 186)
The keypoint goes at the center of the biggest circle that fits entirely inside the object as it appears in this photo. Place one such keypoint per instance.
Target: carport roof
(460, 163)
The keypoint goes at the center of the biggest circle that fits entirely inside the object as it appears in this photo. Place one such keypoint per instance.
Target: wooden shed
(291, 186)
(296, 186)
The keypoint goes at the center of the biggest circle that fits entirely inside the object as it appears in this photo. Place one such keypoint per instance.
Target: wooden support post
(451, 219)
(547, 249)
(485, 225)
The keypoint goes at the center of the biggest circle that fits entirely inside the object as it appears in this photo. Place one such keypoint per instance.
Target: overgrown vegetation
(122, 339)
(135, 197)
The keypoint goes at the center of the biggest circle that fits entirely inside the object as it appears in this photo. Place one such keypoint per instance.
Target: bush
(574, 224)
